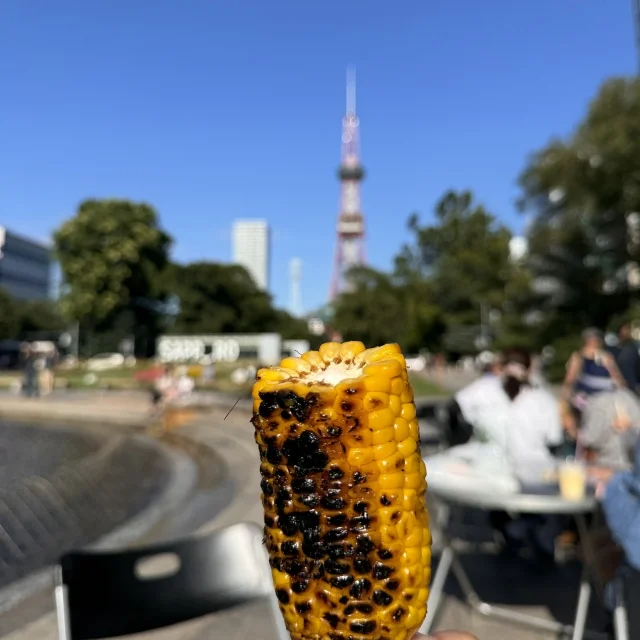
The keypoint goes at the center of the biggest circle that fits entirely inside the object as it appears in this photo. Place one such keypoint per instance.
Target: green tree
(219, 298)
(39, 316)
(583, 194)
(463, 255)
(112, 254)
(371, 311)
(9, 319)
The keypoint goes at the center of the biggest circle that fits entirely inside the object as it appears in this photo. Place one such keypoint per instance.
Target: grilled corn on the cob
(343, 487)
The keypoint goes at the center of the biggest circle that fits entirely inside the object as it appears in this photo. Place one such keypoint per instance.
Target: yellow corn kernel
(382, 451)
(412, 555)
(401, 429)
(275, 374)
(391, 480)
(397, 386)
(381, 419)
(314, 359)
(337, 436)
(383, 435)
(407, 446)
(387, 368)
(408, 411)
(349, 350)
(407, 394)
(409, 500)
(412, 481)
(377, 383)
(297, 364)
(329, 351)
(412, 464)
(414, 430)
(395, 405)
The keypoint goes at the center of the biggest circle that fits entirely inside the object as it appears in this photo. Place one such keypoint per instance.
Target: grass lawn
(124, 379)
(423, 387)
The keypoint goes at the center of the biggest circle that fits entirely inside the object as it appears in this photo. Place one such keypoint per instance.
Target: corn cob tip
(343, 488)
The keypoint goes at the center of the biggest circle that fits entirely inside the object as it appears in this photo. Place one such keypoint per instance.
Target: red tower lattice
(350, 230)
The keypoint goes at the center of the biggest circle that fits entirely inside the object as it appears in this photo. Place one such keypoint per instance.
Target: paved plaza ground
(548, 593)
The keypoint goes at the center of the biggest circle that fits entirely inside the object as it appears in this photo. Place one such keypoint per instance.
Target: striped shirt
(594, 378)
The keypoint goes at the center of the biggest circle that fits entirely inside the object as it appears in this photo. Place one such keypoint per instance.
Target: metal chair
(114, 593)
(625, 589)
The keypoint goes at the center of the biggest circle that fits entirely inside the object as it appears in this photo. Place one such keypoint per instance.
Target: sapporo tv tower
(350, 230)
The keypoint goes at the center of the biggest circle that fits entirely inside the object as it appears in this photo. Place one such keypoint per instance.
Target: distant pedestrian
(589, 371)
(31, 382)
(47, 379)
(627, 358)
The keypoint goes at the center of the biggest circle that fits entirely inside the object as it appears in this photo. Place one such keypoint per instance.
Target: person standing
(628, 358)
(590, 370)
(31, 384)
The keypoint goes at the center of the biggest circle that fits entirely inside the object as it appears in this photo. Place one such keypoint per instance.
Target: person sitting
(610, 428)
(531, 421)
(621, 507)
(471, 401)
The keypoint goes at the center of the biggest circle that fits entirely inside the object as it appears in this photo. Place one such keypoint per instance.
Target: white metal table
(519, 503)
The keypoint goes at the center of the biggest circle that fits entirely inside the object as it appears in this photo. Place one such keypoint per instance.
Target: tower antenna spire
(351, 91)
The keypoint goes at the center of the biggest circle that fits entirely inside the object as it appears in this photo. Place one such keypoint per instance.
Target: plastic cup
(572, 478)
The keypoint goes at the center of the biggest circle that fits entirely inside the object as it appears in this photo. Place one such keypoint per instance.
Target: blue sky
(219, 109)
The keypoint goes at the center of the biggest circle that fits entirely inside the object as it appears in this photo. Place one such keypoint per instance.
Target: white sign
(219, 348)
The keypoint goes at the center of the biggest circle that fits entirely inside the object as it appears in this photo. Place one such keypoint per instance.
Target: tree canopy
(113, 254)
(583, 195)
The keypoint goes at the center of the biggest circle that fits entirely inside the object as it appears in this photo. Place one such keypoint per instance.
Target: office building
(295, 287)
(251, 248)
(25, 267)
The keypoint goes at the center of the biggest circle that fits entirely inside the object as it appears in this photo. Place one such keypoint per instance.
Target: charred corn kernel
(408, 411)
(375, 400)
(341, 471)
(391, 464)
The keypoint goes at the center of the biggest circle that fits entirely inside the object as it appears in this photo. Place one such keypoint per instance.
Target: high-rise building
(251, 249)
(295, 287)
(25, 267)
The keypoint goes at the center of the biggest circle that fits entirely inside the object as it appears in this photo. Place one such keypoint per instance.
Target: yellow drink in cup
(572, 477)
